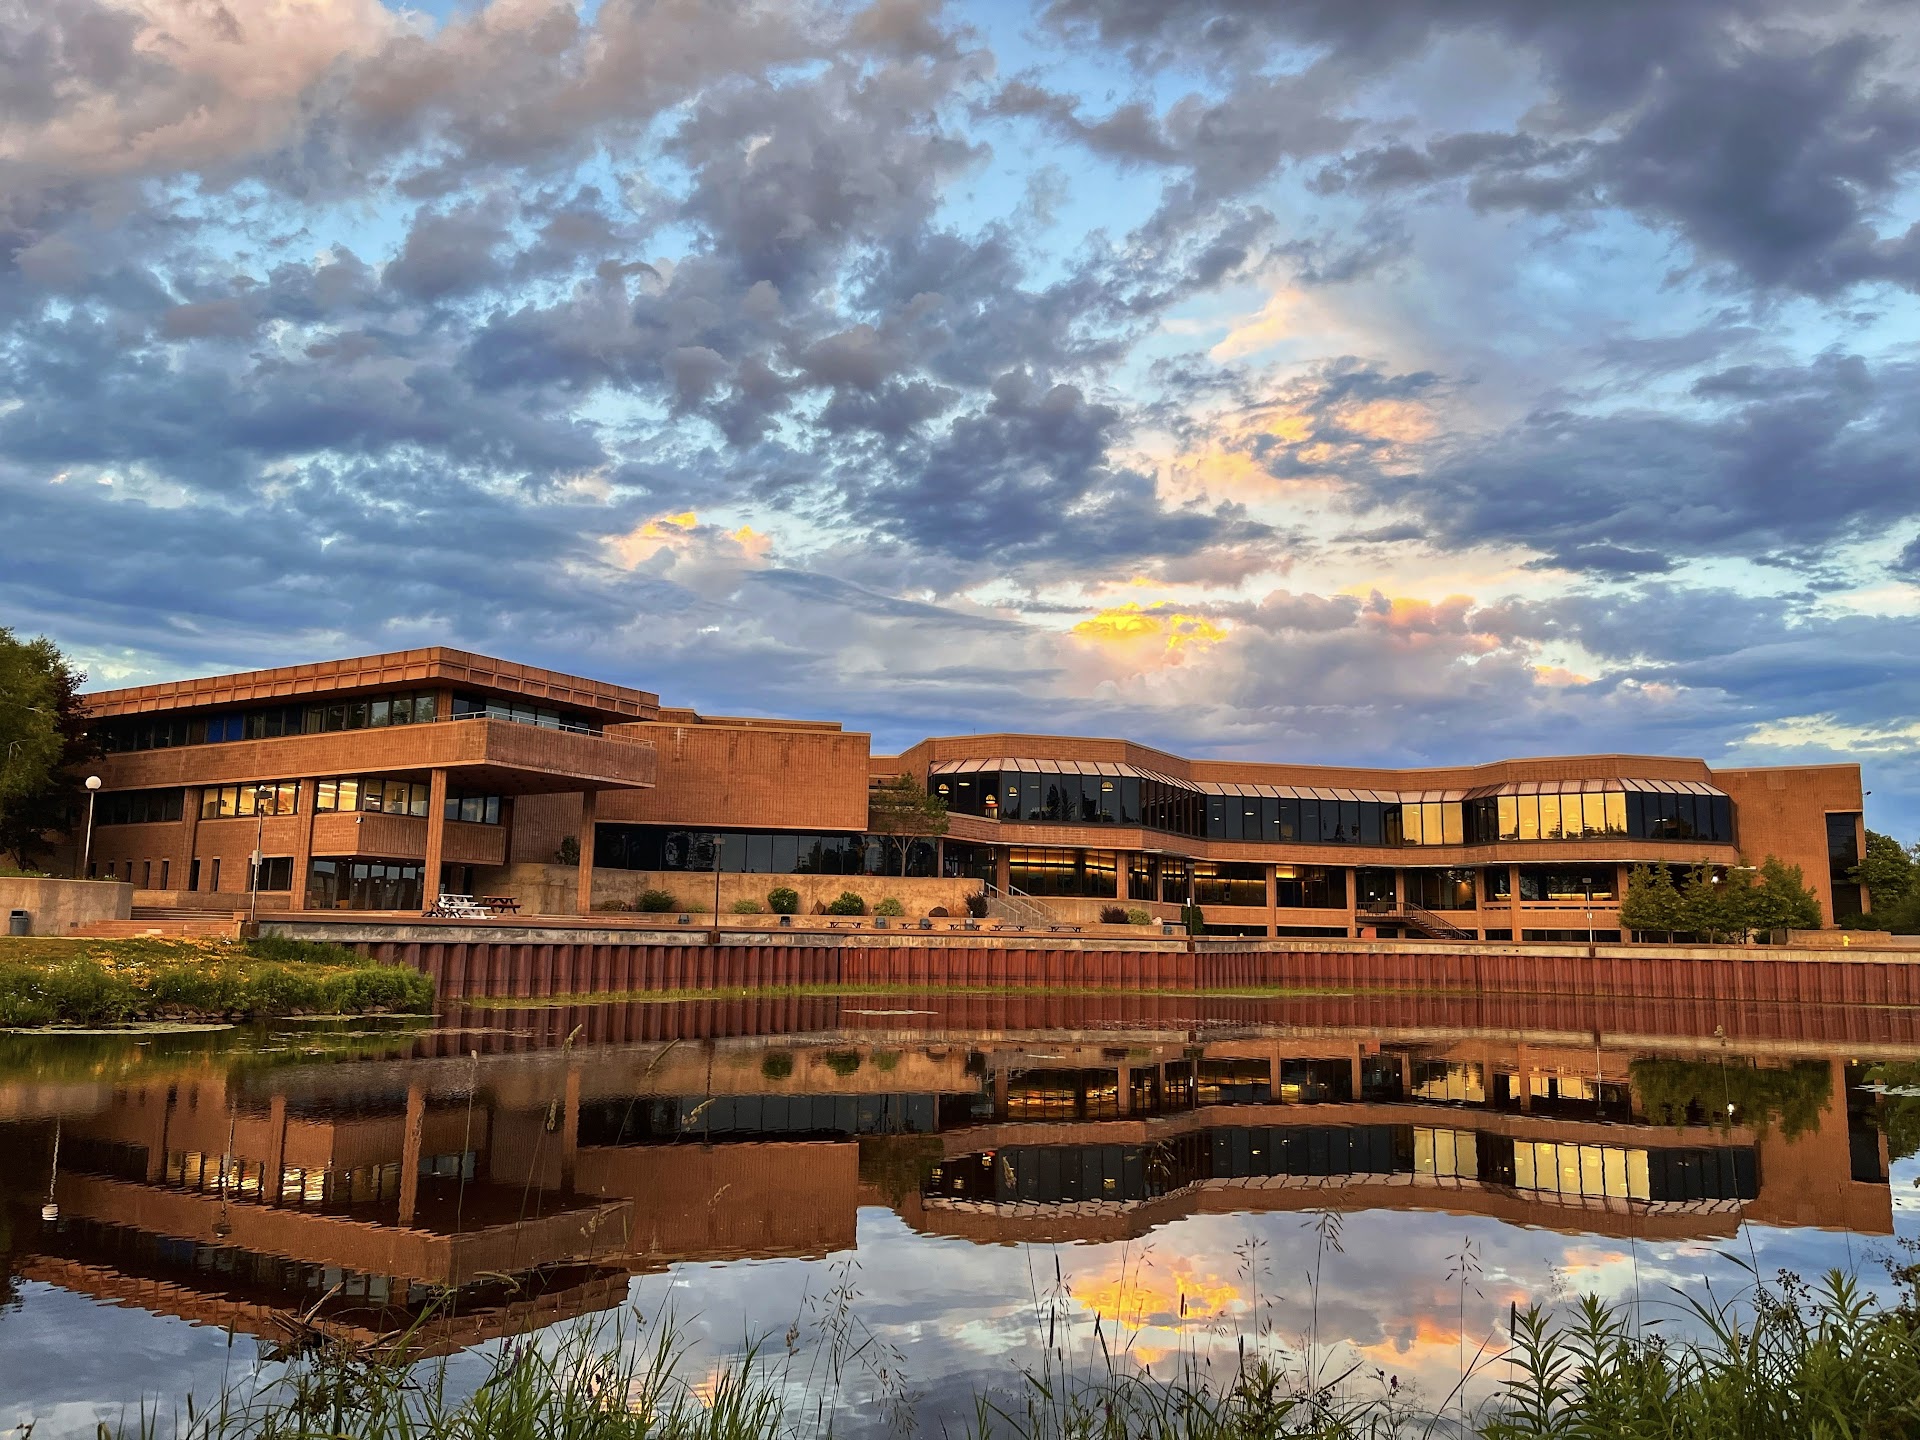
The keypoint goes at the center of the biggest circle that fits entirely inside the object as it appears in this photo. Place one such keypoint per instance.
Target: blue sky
(1368, 381)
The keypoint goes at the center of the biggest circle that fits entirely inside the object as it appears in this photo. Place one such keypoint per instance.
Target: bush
(390, 988)
(610, 907)
(303, 952)
(85, 992)
(977, 905)
(783, 901)
(847, 903)
(1190, 916)
(744, 906)
(776, 1065)
(655, 902)
(284, 990)
(889, 906)
(1137, 915)
(21, 1000)
(198, 990)
(1113, 914)
(842, 1062)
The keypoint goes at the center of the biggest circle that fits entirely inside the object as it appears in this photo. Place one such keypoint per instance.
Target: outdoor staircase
(1015, 907)
(1429, 925)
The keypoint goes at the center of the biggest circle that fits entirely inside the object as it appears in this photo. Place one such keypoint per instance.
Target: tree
(1781, 901)
(1651, 902)
(1889, 870)
(1891, 873)
(1712, 905)
(901, 810)
(44, 746)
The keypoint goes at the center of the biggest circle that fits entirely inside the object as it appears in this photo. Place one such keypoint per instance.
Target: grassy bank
(97, 983)
(1793, 1360)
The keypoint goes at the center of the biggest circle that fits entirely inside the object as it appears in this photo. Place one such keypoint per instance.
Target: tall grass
(1786, 1359)
(112, 982)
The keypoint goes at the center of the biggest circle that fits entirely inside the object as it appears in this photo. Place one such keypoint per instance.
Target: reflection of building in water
(1574, 1139)
(518, 1189)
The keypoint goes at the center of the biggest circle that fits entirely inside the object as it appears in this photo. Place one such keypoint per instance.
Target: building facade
(377, 783)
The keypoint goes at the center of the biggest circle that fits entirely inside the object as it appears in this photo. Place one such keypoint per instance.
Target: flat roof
(366, 674)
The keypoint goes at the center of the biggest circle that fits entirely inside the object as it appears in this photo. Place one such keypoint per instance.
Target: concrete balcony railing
(498, 755)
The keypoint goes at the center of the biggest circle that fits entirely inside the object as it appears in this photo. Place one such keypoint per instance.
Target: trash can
(19, 923)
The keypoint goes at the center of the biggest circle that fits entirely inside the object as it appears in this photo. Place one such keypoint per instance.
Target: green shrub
(21, 1000)
(1138, 915)
(284, 990)
(394, 989)
(1113, 914)
(610, 907)
(782, 900)
(85, 992)
(745, 906)
(776, 1065)
(977, 905)
(842, 1062)
(198, 990)
(303, 952)
(885, 1060)
(846, 903)
(655, 902)
(889, 906)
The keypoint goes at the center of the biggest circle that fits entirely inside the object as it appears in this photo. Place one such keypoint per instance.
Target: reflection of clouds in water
(963, 1316)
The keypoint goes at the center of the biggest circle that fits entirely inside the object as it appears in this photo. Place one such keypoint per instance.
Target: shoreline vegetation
(1787, 1358)
(46, 982)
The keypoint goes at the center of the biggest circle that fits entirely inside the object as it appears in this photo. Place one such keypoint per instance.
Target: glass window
(1452, 817)
(1529, 807)
(1550, 817)
(1615, 824)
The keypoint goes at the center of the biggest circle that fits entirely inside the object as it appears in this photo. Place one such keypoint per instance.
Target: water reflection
(504, 1173)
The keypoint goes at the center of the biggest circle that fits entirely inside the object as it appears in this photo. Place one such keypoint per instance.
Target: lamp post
(719, 842)
(261, 794)
(86, 856)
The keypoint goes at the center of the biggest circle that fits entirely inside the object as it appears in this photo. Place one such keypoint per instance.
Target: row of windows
(1613, 815)
(1056, 1174)
(364, 885)
(1157, 805)
(161, 732)
(520, 712)
(371, 793)
(661, 847)
(138, 807)
(260, 797)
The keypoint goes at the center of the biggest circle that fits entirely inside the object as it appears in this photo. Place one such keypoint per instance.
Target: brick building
(375, 783)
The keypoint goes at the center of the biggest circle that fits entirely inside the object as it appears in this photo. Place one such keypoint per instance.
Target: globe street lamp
(86, 855)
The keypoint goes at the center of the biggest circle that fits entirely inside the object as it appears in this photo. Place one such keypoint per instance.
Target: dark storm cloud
(1770, 134)
(1030, 478)
(1785, 462)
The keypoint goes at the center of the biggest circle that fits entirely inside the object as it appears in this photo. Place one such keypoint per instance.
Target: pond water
(899, 1200)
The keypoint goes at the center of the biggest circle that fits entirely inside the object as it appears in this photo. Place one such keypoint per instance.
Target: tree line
(1717, 904)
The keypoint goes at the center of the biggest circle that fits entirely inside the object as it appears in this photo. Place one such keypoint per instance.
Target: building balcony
(404, 837)
(484, 755)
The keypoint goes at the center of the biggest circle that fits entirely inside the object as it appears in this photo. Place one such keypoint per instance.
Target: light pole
(261, 794)
(86, 855)
(719, 841)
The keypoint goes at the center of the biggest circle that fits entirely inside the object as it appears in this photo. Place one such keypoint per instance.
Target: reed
(1785, 1358)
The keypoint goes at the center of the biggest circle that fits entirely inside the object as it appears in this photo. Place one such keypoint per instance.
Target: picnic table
(500, 904)
(458, 907)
